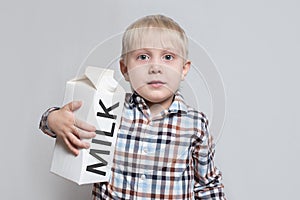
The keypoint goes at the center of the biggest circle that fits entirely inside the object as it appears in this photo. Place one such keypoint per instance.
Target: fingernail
(76, 153)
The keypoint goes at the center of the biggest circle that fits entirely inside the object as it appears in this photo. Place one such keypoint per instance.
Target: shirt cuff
(44, 122)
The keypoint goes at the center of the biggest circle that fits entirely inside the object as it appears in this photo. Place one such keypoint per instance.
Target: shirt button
(143, 177)
(145, 150)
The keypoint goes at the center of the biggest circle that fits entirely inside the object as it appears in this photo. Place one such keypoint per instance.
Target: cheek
(173, 74)
(173, 77)
(137, 76)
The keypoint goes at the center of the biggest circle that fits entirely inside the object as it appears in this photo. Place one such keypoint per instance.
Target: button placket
(143, 177)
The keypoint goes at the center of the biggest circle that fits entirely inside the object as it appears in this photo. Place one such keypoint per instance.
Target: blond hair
(170, 35)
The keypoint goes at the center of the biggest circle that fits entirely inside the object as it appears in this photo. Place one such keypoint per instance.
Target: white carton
(103, 100)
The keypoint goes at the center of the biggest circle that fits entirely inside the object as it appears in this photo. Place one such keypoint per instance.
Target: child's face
(155, 74)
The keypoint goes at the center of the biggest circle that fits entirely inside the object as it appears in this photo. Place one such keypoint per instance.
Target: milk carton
(103, 100)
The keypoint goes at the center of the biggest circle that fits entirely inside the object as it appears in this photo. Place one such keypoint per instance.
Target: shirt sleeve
(43, 125)
(207, 177)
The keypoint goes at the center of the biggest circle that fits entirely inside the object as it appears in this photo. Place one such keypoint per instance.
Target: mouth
(156, 83)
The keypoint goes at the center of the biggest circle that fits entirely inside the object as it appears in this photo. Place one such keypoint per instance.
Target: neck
(156, 108)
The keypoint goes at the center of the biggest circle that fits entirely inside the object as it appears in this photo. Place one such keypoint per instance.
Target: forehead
(154, 38)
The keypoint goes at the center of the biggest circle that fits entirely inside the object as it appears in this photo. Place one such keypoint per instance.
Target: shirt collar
(178, 104)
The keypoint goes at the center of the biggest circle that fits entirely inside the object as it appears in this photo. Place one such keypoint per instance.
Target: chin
(156, 99)
(155, 95)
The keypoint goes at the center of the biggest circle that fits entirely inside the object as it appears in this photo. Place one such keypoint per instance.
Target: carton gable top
(99, 78)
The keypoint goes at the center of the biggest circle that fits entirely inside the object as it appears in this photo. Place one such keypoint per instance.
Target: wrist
(44, 122)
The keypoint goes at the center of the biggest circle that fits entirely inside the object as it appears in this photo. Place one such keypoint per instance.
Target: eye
(168, 57)
(143, 57)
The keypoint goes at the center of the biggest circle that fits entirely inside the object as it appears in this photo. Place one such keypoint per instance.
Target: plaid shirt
(166, 157)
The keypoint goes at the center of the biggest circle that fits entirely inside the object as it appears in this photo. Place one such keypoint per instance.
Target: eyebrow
(168, 50)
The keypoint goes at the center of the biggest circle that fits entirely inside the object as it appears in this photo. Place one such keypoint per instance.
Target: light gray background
(255, 45)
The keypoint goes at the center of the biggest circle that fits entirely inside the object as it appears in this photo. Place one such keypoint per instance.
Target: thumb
(73, 106)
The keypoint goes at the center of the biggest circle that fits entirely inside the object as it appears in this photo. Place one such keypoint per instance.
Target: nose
(155, 68)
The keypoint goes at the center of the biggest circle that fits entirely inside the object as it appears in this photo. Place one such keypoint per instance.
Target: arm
(65, 126)
(207, 177)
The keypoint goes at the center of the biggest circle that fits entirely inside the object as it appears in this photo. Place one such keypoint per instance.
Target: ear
(124, 70)
(186, 68)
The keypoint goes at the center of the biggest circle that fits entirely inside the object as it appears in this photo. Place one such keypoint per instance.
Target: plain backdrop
(254, 44)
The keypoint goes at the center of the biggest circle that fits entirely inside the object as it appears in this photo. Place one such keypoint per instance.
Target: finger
(76, 142)
(75, 131)
(73, 149)
(84, 125)
(85, 134)
(73, 106)
(82, 134)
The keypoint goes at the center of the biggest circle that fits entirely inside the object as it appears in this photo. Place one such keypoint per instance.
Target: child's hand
(69, 129)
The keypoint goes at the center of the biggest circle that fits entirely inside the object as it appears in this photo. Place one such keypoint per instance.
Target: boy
(163, 149)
